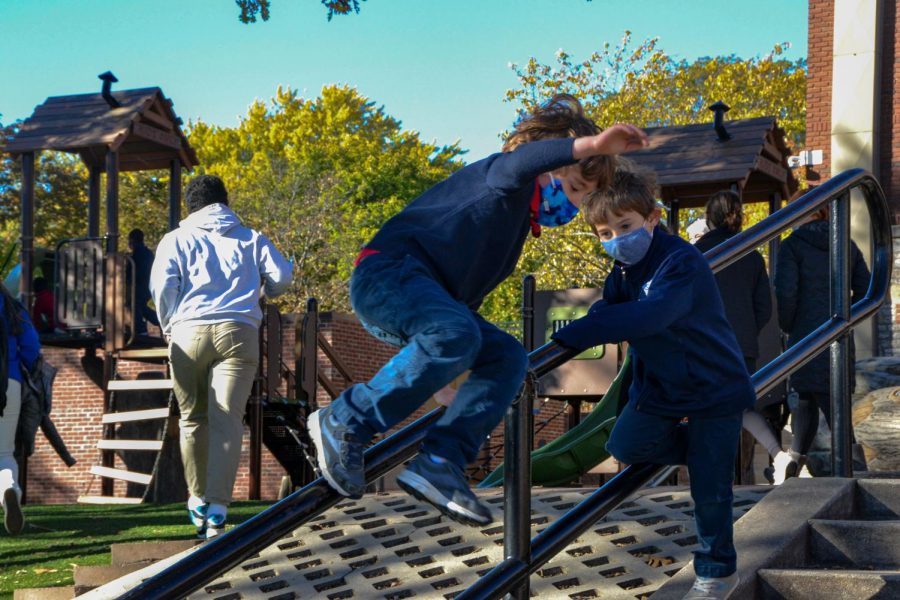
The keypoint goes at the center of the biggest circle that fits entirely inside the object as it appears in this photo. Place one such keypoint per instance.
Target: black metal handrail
(229, 549)
(511, 575)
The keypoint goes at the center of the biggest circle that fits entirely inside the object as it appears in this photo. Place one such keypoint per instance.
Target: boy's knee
(626, 451)
(460, 340)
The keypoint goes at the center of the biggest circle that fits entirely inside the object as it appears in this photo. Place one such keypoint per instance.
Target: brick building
(853, 116)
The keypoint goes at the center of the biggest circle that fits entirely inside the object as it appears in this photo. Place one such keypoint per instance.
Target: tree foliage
(251, 10)
(643, 85)
(60, 194)
(320, 176)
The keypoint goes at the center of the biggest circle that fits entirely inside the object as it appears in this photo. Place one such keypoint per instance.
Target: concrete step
(878, 499)
(48, 593)
(142, 553)
(854, 544)
(90, 577)
(811, 584)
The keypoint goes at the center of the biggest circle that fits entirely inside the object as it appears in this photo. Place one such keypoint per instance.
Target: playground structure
(280, 424)
(523, 555)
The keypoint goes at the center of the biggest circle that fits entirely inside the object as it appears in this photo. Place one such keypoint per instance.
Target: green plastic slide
(582, 448)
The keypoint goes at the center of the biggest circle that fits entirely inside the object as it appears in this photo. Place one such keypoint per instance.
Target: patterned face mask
(554, 208)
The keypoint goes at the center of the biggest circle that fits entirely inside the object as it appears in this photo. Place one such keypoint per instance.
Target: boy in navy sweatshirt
(661, 297)
(419, 282)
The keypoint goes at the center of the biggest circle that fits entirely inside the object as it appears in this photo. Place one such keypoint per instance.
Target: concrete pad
(90, 577)
(854, 544)
(798, 584)
(878, 499)
(48, 593)
(773, 534)
(148, 552)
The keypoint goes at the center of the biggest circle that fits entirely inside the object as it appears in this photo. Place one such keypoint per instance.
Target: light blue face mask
(555, 209)
(629, 248)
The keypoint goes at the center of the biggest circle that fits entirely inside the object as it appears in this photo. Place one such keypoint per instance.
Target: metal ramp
(393, 546)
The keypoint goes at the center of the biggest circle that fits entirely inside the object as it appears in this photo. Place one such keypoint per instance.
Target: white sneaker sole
(12, 512)
(315, 433)
(422, 489)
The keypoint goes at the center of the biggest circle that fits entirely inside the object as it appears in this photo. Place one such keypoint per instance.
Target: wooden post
(27, 200)
(774, 243)
(94, 202)
(673, 216)
(174, 193)
(112, 201)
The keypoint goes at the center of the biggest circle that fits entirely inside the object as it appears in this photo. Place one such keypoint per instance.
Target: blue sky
(440, 66)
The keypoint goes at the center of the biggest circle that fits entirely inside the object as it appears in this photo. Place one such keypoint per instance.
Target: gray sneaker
(13, 518)
(713, 588)
(444, 485)
(339, 454)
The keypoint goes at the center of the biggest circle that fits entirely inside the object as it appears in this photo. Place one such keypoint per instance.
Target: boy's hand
(617, 139)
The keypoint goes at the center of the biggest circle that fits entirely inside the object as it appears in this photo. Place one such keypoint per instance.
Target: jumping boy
(419, 282)
(661, 297)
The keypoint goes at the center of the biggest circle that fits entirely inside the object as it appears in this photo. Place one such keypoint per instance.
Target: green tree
(320, 176)
(251, 10)
(643, 85)
(60, 193)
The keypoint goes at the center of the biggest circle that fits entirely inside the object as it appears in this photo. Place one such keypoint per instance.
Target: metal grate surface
(393, 546)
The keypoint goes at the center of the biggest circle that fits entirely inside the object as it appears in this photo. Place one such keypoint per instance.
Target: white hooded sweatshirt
(211, 268)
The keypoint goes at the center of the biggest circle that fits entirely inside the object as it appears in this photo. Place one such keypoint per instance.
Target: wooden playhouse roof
(144, 130)
(692, 163)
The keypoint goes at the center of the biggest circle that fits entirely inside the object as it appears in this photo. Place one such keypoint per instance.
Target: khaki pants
(213, 367)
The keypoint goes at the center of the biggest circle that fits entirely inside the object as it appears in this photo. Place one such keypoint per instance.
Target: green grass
(56, 538)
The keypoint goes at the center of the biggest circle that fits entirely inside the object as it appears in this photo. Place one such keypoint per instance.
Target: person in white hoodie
(206, 282)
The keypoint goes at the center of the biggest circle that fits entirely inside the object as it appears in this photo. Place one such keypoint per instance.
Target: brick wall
(78, 407)
(818, 85)
(818, 130)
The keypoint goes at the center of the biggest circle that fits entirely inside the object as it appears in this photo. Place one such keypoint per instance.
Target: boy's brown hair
(561, 117)
(632, 188)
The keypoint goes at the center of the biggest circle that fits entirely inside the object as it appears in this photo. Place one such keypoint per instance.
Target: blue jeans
(399, 301)
(709, 448)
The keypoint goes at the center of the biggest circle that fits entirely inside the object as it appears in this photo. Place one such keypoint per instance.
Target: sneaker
(786, 465)
(12, 511)
(339, 454)
(197, 509)
(713, 588)
(441, 483)
(215, 524)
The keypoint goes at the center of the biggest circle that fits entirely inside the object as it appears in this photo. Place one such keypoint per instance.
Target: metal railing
(522, 559)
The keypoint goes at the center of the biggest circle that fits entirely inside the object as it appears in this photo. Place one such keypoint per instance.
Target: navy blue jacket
(803, 289)
(469, 229)
(667, 307)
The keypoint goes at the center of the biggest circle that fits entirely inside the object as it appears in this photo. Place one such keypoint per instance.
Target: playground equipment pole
(27, 228)
(839, 230)
(174, 193)
(517, 449)
(112, 201)
(94, 203)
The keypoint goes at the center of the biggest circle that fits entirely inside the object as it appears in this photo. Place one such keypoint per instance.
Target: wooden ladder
(110, 443)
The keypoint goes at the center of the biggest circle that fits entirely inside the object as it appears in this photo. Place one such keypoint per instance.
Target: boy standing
(419, 282)
(661, 297)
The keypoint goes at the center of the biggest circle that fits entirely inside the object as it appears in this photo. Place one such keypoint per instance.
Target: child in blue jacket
(661, 297)
(20, 349)
(419, 282)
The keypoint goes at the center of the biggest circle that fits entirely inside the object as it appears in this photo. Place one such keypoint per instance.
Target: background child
(420, 281)
(661, 298)
(747, 297)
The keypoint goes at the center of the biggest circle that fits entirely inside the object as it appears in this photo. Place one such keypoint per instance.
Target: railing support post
(517, 449)
(839, 230)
